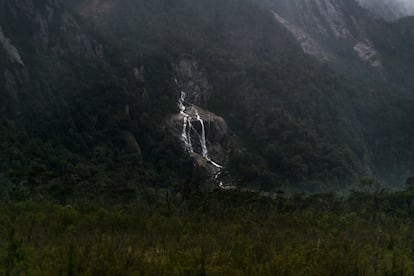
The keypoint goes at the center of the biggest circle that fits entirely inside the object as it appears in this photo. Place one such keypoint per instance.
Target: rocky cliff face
(10, 50)
(191, 77)
(45, 25)
(307, 42)
(330, 30)
(32, 33)
(12, 77)
(251, 58)
(204, 135)
(217, 137)
(140, 109)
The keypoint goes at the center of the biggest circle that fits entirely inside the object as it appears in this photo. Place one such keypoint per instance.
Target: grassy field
(220, 233)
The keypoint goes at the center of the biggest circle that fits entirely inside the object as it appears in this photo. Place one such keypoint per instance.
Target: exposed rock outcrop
(309, 45)
(368, 53)
(205, 135)
(191, 78)
(216, 133)
(51, 28)
(49, 33)
(329, 30)
(13, 76)
(10, 50)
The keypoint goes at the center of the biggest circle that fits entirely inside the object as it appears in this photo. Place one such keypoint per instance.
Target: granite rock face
(192, 79)
(33, 31)
(216, 129)
(329, 30)
(48, 26)
(217, 135)
(13, 76)
(206, 136)
(10, 51)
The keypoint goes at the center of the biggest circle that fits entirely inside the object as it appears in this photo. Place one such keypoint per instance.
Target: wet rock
(217, 136)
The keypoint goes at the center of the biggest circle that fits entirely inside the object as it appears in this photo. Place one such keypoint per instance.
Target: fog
(390, 8)
(397, 3)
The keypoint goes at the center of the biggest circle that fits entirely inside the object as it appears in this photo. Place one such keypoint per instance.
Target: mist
(390, 9)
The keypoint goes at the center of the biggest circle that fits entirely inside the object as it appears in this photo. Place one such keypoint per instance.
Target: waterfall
(203, 136)
(188, 126)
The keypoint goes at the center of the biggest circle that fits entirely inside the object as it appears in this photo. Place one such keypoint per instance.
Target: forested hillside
(65, 131)
(87, 89)
(205, 137)
(299, 121)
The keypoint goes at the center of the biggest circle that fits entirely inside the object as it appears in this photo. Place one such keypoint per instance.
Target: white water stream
(188, 126)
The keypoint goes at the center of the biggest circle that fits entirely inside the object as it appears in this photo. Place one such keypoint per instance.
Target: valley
(195, 137)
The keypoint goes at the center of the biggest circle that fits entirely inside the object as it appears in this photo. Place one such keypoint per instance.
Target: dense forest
(75, 119)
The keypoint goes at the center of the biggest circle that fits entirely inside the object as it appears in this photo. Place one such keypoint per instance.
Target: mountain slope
(250, 43)
(73, 124)
(95, 104)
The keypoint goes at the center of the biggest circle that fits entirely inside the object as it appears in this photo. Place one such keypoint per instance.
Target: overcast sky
(404, 3)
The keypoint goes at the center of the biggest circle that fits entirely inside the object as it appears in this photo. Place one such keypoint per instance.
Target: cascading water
(203, 142)
(188, 126)
(203, 136)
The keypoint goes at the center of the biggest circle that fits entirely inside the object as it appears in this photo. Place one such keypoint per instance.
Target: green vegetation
(79, 134)
(219, 233)
(64, 128)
